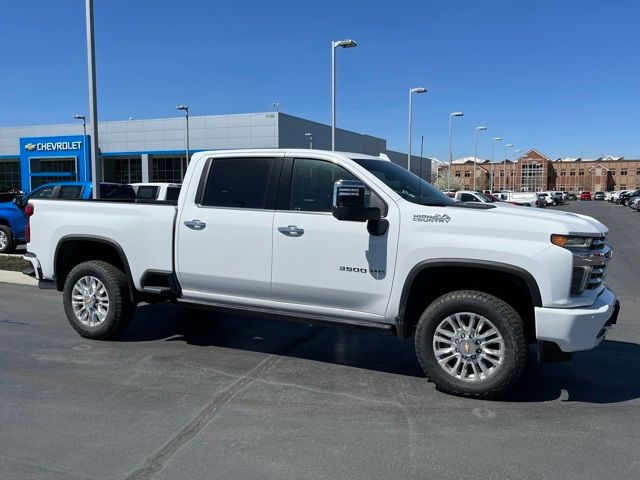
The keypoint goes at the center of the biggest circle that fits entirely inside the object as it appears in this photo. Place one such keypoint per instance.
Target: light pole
(411, 92)
(348, 43)
(84, 142)
(493, 144)
(504, 170)
(276, 107)
(451, 115)
(185, 109)
(310, 135)
(475, 155)
(93, 97)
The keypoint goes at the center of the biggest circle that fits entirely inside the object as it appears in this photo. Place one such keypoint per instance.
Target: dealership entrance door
(52, 169)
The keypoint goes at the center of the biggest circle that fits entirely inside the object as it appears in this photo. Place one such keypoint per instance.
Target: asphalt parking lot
(190, 396)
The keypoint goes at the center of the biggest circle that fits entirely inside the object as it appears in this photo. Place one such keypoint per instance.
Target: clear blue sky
(559, 76)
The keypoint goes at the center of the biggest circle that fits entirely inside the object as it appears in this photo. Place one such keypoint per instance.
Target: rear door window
(467, 197)
(237, 183)
(147, 192)
(69, 192)
(117, 192)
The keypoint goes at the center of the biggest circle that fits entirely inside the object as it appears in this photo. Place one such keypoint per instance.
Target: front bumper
(576, 329)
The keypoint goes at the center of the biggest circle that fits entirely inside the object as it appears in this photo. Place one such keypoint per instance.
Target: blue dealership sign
(54, 159)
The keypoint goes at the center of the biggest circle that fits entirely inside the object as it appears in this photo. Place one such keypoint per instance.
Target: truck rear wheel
(97, 300)
(7, 244)
(471, 344)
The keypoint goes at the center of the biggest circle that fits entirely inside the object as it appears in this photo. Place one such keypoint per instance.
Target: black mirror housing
(349, 202)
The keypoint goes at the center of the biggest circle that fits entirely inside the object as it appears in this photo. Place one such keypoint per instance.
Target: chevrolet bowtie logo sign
(53, 146)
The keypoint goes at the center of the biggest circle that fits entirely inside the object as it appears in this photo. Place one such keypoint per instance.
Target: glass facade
(532, 178)
(168, 169)
(59, 169)
(9, 175)
(122, 169)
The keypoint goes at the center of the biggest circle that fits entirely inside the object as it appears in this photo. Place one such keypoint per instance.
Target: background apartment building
(534, 171)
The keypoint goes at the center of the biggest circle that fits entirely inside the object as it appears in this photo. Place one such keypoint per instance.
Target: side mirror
(349, 202)
(19, 201)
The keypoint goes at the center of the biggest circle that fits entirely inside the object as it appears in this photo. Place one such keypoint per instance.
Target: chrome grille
(590, 266)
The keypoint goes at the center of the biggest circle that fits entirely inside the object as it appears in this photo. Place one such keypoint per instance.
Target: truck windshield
(406, 184)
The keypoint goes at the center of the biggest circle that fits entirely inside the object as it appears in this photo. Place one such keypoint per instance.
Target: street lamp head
(308, 134)
(456, 114)
(508, 145)
(418, 90)
(481, 128)
(79, 117)
(497, 139)
(182, 107)
(348, 43)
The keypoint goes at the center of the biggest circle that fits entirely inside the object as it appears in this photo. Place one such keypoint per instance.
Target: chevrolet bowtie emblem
(30, 146)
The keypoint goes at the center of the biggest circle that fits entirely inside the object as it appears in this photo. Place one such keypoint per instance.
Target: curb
(17, 278)
(13, 262)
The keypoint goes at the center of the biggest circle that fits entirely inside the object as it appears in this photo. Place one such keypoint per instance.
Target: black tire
(10, 243)
(504, 318)
(120, 310)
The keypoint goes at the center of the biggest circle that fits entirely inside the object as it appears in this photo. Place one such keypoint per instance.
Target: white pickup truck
(340, 238)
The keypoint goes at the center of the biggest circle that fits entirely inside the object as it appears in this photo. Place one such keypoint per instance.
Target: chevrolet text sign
(53, 146)
(37, 155)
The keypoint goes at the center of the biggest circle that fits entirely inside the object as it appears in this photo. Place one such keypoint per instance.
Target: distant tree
(434, 173)
(441, 183)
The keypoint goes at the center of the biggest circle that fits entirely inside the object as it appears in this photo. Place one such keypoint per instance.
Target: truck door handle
(291, 231)
(195, 224)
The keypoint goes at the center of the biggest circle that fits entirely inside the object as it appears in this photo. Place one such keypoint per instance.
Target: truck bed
(143, 230)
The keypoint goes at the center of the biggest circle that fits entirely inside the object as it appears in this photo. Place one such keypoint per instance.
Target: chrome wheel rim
(468, 347)
(3, 240)
(90, 301)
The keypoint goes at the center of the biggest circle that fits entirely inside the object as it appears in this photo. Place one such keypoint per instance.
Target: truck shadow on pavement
(604, 375)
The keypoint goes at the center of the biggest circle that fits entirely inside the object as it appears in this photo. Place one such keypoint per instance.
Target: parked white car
(471, 196)
(339, 238)
(615, 195)
(547, 198)
(554, 197)
(157, 191)
(529, 199)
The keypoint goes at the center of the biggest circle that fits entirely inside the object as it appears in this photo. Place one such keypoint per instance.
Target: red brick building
(534, 171)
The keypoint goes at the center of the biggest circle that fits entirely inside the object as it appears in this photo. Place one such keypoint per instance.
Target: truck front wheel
(97, 300)
(471, 344)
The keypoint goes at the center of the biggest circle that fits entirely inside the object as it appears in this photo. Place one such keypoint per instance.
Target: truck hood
(556, 221)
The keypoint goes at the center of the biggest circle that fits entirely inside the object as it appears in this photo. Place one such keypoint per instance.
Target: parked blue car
(13, 221)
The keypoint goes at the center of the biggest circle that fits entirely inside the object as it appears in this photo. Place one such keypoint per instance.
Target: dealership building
(154, 150)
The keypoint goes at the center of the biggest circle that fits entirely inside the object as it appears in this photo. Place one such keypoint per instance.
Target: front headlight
(571, 241)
